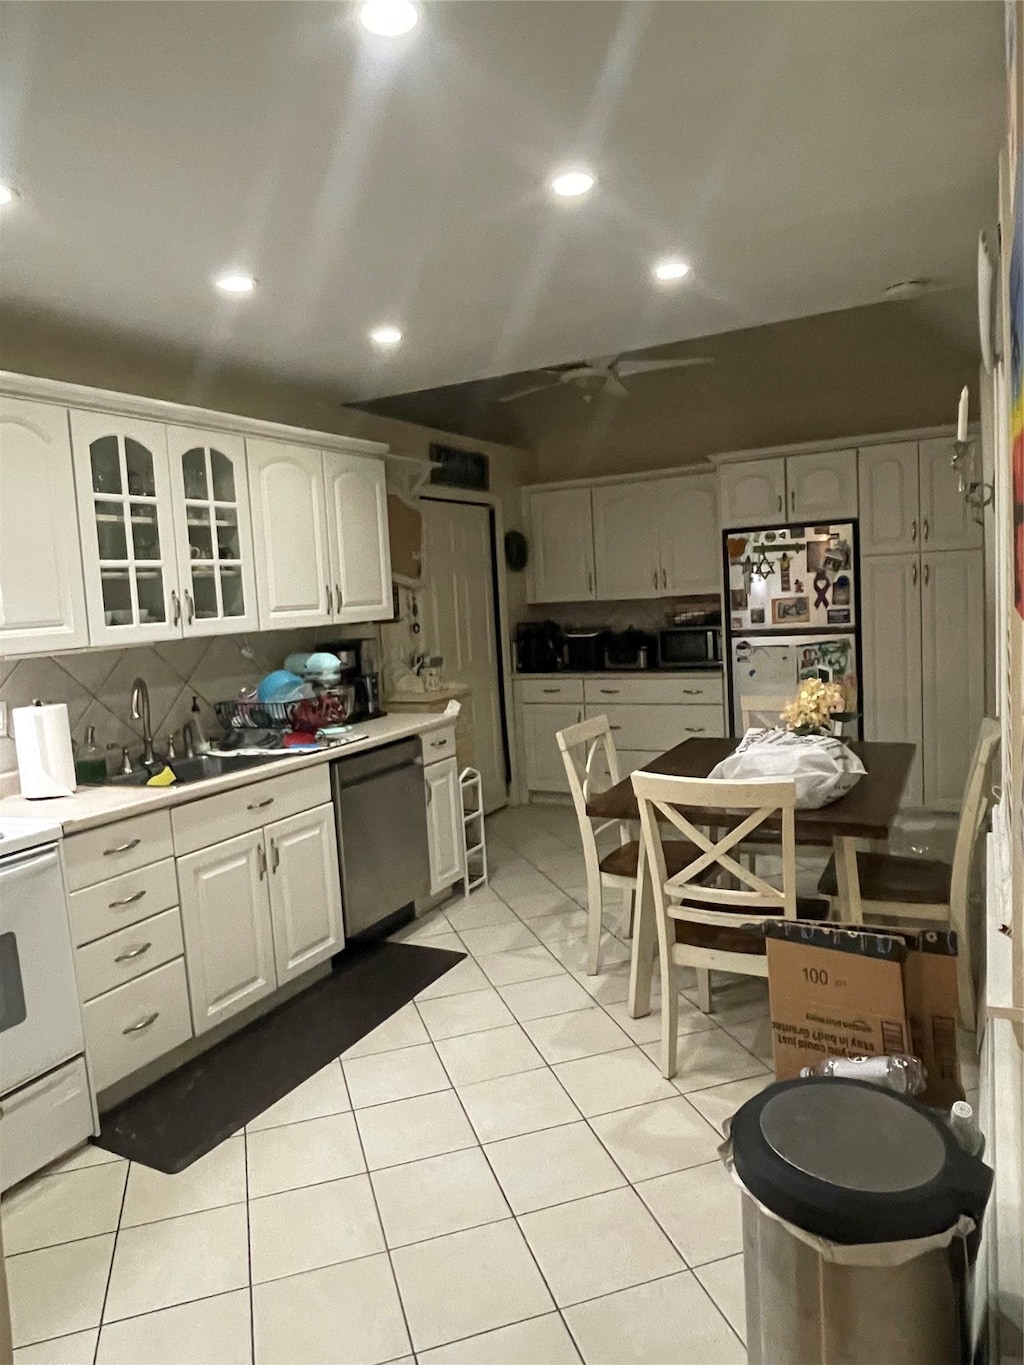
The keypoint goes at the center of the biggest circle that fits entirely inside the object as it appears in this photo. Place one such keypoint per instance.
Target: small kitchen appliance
(538, 647)
(584, 648)
(629, 649)
(696, 647)
(358, 659)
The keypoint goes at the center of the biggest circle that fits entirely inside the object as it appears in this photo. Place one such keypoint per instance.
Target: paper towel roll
(46, 763)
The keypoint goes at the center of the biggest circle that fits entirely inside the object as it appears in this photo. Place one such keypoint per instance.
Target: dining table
(865, 813)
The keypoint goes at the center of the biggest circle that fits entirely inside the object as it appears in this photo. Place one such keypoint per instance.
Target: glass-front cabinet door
(213, 532)
(124, 512)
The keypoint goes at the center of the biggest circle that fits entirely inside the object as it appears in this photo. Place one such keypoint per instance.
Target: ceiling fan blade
(626, 367)
(522, 393)
(614, 387)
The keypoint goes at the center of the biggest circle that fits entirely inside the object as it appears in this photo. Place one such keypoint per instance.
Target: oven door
(40, 1019)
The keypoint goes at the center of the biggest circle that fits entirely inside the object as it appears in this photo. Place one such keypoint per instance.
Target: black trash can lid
(848, 1161)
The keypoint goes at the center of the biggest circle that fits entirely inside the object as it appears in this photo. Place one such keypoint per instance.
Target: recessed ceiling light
(7, 194)
(572, 183)
(389, 18)
(671, 269)
(236, 284)
(386, 336)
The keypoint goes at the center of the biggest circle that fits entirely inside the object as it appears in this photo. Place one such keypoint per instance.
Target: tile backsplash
(96, 683)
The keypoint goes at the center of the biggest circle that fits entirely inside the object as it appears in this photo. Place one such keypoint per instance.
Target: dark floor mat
(178, 1119)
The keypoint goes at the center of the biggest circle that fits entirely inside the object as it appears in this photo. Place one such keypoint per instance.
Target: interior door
(42, 593)
(457, 613)
(289, 525)
(890, 519)
(305, 891)
(625, 552)
(953, 659)
(891, 689)
(225, 916)
(946, 519)
(686, 511)
(561, 545)
(357, 525)
(213, 531)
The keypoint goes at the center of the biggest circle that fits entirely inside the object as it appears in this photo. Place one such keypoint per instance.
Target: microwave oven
(689, 647)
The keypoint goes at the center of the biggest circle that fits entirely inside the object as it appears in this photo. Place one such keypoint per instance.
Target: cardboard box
(860, 991)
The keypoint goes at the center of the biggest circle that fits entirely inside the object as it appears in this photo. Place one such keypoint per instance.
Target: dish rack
(255, 715)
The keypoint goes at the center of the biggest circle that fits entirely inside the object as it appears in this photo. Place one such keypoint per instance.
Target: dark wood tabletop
(867, 812)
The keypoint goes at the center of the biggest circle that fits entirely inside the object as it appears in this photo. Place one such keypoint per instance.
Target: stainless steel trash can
(860, 1225)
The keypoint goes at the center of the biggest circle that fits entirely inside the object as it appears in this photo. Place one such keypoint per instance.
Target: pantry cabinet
(357, 532)
(953, 668)
(444, 823)
(293, 567)
(910, 500)
(891, 688)
(947, 522)
(561, 545)
(752, 492)
(42, 592)
(305, 891)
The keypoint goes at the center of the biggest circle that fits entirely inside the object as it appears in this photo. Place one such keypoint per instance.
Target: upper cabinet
(689, 547)
(909, 500)
(213, 532)
(626, 563)
(752, 492)
(42, 596)
(562, 545)
(124, 514)
(293, 567)
(357, 526)
(822, 487)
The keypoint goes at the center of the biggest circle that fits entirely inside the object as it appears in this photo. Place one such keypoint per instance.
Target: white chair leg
(628, 911)
(669, 1017)
(595, 907)
(704, 990)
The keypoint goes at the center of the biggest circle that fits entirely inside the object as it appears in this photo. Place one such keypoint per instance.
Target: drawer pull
(691, 691)
(438, 743)
(614, 727)
(259, 805)
(609, 691)
(130, 953)
(695, 729)
(127, 900)
(142, 1024)
(551, 691)
(122, 848)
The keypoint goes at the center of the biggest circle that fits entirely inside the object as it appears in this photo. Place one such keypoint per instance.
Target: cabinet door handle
(691, 691)
(260, 805)
(175, 609)
(127, 900)
(590, 581)
(142, 1024)
(614, 727)
(792, 499)
(664, 578)
(275, 856)
(927, 573)
(913, 530)
(924, 529)
(551, 691)
(330, 605)
(122, 848)
(129, 953)
(913, 573)
(261, 861)
(338, 599)
(655, 577)
(780, 502)
(609, 691)
(430, 795)
(191, 606)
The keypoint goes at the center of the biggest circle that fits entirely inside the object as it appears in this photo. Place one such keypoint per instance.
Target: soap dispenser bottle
(199, 741)
(90, 761)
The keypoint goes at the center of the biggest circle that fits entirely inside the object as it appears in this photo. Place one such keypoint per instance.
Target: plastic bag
(898, 1071)
(823, 768)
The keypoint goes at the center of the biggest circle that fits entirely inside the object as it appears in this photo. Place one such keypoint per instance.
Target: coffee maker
(359, 669)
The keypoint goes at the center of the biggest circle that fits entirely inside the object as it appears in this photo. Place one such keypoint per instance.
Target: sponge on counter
(166, 777)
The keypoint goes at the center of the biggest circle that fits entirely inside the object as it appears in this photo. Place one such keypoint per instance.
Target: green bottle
(90, 761)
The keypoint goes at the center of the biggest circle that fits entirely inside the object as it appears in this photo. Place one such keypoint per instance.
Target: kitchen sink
(196, 769)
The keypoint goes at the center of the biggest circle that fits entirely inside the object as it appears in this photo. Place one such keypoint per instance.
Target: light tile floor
(499, 1173)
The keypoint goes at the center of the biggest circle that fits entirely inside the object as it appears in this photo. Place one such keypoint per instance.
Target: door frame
(502, 628)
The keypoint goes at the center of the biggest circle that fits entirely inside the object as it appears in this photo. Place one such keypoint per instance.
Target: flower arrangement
(816, 705)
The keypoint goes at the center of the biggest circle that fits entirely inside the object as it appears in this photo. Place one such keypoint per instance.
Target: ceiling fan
(608, 371)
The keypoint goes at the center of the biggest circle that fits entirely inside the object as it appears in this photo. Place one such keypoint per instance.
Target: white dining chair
(583, 748)
(762, 712)
(700, 922)
(926, 891)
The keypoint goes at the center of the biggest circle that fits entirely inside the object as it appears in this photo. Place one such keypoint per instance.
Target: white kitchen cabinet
(213, 531)
(357, 528)
(305, 891)
(561, 545)
(125, 521)
(946, 520)
(822, 487)
(689, 545)
(752, 492)
(225, 916)
(953, 666)
(42, 592)
(444, 823)
(890, 517)
(290, 536)
(545, 771)
(891, 687)
(626, 563)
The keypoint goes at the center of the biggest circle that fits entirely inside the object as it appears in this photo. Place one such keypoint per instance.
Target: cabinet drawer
(550, 689)
(136, 1023)
(657, 728)
(44, 1120)
(215, 818)
(686, 691)
(438, 744)
(100, 854)
(123, 956)
(121, 901)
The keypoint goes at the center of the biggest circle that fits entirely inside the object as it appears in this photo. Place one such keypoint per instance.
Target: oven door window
(12, 988)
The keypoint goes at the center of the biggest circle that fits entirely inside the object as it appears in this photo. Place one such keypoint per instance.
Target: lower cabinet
(305, 891)
(444, 823)
(545, 771)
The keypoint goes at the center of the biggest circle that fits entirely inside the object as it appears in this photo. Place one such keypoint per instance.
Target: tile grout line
(248, 1244)
(110, 1268)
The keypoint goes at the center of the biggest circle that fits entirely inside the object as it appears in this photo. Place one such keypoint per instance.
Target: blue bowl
(277, 682)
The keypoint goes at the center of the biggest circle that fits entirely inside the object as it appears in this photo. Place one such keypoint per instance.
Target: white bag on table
(823, 768)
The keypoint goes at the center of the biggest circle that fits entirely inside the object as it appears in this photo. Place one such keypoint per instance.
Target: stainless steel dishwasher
(381, 818)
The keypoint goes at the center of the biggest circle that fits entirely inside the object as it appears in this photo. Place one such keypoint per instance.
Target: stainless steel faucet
(188, 739)
(140, 711)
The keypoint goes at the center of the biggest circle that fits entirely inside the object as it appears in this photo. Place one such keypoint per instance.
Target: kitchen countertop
(94, 806)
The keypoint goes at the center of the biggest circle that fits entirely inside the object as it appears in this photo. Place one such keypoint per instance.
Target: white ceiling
(800, 155)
